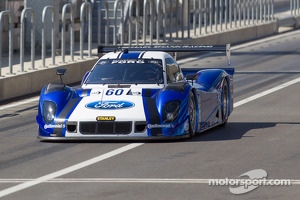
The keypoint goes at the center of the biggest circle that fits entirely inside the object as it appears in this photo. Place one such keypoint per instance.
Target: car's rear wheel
(192, 115)
(225, 102)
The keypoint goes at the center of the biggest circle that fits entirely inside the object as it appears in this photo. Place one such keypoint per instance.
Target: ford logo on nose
(109, 105)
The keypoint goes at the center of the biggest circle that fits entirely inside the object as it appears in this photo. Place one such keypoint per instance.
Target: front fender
(59, 94)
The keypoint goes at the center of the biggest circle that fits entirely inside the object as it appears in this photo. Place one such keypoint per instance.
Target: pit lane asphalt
(261, 134)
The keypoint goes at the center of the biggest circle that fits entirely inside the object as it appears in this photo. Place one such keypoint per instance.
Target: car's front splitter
(115, 138)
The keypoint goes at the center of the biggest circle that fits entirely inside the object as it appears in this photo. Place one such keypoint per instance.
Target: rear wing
(170, 48)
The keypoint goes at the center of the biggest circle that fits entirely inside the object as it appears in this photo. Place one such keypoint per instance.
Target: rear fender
(210, 77)
(185, 71)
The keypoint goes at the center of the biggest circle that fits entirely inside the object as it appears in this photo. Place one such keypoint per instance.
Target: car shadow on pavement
(232, 131)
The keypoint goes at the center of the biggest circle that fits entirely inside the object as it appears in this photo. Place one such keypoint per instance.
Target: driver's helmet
(150, 74)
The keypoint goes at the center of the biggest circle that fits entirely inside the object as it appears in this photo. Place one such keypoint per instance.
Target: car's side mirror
(60, 72)
(191, 77)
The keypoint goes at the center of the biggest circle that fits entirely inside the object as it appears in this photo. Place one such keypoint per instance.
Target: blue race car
(138, 93)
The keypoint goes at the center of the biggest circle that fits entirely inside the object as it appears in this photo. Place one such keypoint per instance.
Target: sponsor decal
(106, 118)
(150, 126)
(107, 105)
(96, 92)
(46, 126)
(133, 61)
(123, 61)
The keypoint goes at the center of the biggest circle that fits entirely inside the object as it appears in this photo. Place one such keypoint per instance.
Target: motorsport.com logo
(256, 177)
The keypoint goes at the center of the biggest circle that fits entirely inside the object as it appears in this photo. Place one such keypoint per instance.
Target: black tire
(192, 115)
(225, 102)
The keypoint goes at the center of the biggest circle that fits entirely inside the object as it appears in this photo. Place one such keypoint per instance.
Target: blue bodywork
(167, 108)
(208, 81)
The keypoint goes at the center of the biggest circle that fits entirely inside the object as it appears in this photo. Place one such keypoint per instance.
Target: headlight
(49, 110)
(170, 111)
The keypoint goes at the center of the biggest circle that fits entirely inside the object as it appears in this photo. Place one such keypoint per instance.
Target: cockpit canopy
(126, 71)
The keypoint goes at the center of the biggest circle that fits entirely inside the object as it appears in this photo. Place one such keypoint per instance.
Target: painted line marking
(236, 47)
(266, 92)
(125, 180)
(18, 103)
(67, 170)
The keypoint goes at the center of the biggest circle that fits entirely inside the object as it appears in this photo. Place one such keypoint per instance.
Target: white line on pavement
(236, 47)
(264, 93)
(124, 180)
(67, 170)
(18, 103)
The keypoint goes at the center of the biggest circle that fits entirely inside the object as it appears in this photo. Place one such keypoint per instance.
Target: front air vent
(72, 127)
(140, 126)
(98, 128)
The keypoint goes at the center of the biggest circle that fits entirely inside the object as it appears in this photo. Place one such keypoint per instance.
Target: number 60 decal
(117, 92)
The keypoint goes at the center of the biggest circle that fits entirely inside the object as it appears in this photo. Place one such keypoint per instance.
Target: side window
(173, 71)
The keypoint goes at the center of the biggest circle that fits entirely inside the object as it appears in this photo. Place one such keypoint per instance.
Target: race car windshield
(127, 71)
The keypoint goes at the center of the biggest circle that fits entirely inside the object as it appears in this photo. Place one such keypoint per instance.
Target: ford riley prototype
(138, 92)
